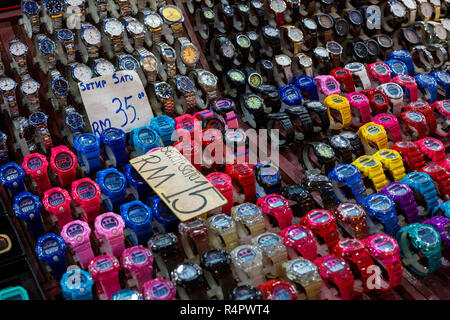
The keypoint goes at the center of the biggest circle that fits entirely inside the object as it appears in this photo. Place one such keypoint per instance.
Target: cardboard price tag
(116, 100)
(178, 183)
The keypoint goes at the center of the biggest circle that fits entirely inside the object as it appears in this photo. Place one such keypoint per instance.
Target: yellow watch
(305, 275)
(173, 16)
(370, 167)
(222, 232)
(371, 135)
(340, 104)
(392, 160)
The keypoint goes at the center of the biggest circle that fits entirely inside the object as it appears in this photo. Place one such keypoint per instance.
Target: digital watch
(352, 218)
(222, 182)
(268, 176)
(144, 139)
(57, 202)
(336, 272)
(248, 265)
(86, 193)
(87, 146)
(159, 289)
(422, 183)
(441, 224)
(347, 175)
(76, 284)
(27, 207)
(109, 232)
(138, 187)
(76, 234)
(274, 253)
(126, 294)
(277, 289)
(441, 178)
(164, 126)
(51, 249)
(381, 207)
(307, 86)
(276, 209)
(249, 221)
(138, 218)
(397, 67)
(163, 215)
(35, 165)
(303, 198)
(411, 154)
(245, 292)
(322, 223)
(114, 145)
(64, 163)
(189, 276)
(428, 86)
(217, 262)
(299, 241)
(104, 270)
(443, 80)
(12, 177)
(114, 187)
(305, 276)
(138, 265)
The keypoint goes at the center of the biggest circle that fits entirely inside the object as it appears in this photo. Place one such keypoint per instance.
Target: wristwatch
(56, 201)
(271, 40)
(273, 251)
(18, 51)
(138, 219)
(385, 43)
(247, 264)
(373, 136)
(415, 124)
(299, 241)
(165, 94)
(91, 38)
(149, 64)
(411, 153)
(309, 28)
(8, 90)
(397, 67)
(428, 86)
(51, 249)
(173, 16)
(234, 83)
(113, 185)
(441, 178)
(353, 218)
(64, 163)
(208, 83)
(345, 78)
(222, 232)
(381, 207)
(169, 56)
(341, 28)
(136, 29)
(190, 277)
(223, 183)
(217, 262)
(164, 126)
(395, 94)
(27, 208)
(163, 215)
(305, 276)
(81, 72)
(394, 14)
(315, 181)
(360, 74)
(27, 132)
(76, 235)
(31, 9)
(440, 224)
(249, 220)
(409, 84)
(434, 150)
(322, 154)
(361, 102)
(39, 121)
(86, 193)
(188, 54)
(390, 124)
(159, 289)
(411, 12)
(12, 177)
(391, 160)
(323, 225)
(404, 56)
(113, 146)
(245, 292)
(103, 67)
(104, 270)
(338, 106)
(336, 272)
(291, 40)
(443, 80)
(276, 209)
(30, 89)
(227, 109)
(347, 176)
(67, 39)
(87, 146)
(321, 60)
(154, 23)
(422, 183)
(442, 115)
(193, 235)
(318, 114)
(372, 169)
(35, 165)
(278, 289)
(307, 86)
(420, 248)
(379, 72)
(109, 232)
(114, 29)
(76, 284)
(404, 200)
(3, 148)
(252, 107)
(138, 264)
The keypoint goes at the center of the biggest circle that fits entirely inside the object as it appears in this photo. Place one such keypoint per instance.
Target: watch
(395, 94)
(391, 160)
(165, 94)
(138, 219)
(193, 236)
(222, 182)
(227, 109)
(57, 201)
(321, 60)
(27, 132)
(103, 67)
(434, 150)
(415, 124)
(276, 209)
(159, 289)
(403, 197)
(352, 217)
(338, 106)
(336, 271)
(441, 225)
(441, 178)
(76, 284)
(268, 176)
(315, 181)
(143, 139)
(31, 9)
(247, 264)
(443, 80)
(30, 89)
(409, 84)
(35, 165)
(373, 136)
(390, 124)
(87, 146)
(173, 16)
(252, 107)
(379, 72)
(307, 86)
(243, 179)
(299, 242)
(190, 277)
(355, 141)
(394, 15)
(67, 39)
(39, 121)
(273, 251)
(317, 154)
(359, 73)
(222, 232)
(291, 40)
(344, 177)
(114, 29)
(208, 83)
(74, 121)
(138, 264)
(278, 289)
(381, 207)
(87, 193)
(64, 163)
(188, 54)
(422, 183)
(271, 40)
(47, 48)
(51, 249)
(149, 64)
(305, 276)
(411, 153)
(154, 23)
(12, 177)
(8, 90)
(217, 262)
(323, 225)
(76, 235)
(114, 187)
(245, 292)
(164, 126)
(442, 115)
(128, 62)
(309, 28)
(136, 29)
(397, 67)
(345, 78)
(404, 56)
(249, 221)
(162, 214)
(359, 51)
(385, 43)
(91, 38)
(169, 55)
(18, 51)
(318, 114)
(361, 102)
(113, 146)
(420, 248)
(126, 294)
(27, 207)
(104, 270)
(109, 232)
(372, 169)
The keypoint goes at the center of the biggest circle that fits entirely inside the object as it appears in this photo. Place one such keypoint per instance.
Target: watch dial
(76, 281)
(103, 264)
(355, 66)
(360, 49)
(139, 256)
(411, 35)
(86, 191)
(335, 264)
(292, 94)
(164, 90)
(319, 216)
(398, 189)
(350, 209)
(246, 254)
(384, 243)
(379, 99)
(433, 144)
(351, 244)
(326, 21)
(373, 130)
(114, 27)
(74, 230)
(334, 47)
(208, 78)
(169, 52)
(215, 258)
(355, 17)
(372, 47)
(428, 235)
(236, 75)
(228, 50)
(82, 72)
(27, 205)
(345, 170)
(186, 272)
(186, 84)
(410, 4)
(129, 63)
(65, 34)
(309, 24)
(160, 241)
(92, 36)
(385, 40)
(281, 292)
(357, 98)
(321, 52)
(146, 136)
(137, 214)
(275, 201)
(415, 116)
(324, 150)
(271, 31)
(114, 181)
(387, 154)
(269, 239)
(393, 90)
(63, 161)
(295, 34)
(10, 174)
(380, 202)
(221, 221)
(426, 8)
(109, 222)
(172, 13)
(302, 268)
(153, 21)
(7, 84)
(248, 210)
(243, 41)
(297, 233)
(60, 86)
(53, 6)
(190, 54)
(381, 68)
(86, 139)
(50, 246)
(340, 141)
(255, 80)
(30, 86)
(254, 102)
(398, 9)
(18, 48)
(56, 198)
(278, 5)
(135, 27)
(341, 26)
(34, 163)
(47, 46)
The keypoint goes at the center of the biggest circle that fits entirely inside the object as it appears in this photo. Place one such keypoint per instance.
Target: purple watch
(404, 200)
(442, 225)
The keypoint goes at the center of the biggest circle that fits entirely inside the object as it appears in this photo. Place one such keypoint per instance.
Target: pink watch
(76, 234)
(159, 289)
(335, 271)
(277, 210)
(138, 264)
(322, 223)
(361, 102)
(57, 202)
(409, 83)
(390, 123)
(379, 72)
(299, 239)
(328, 85)
(86, 193)
(434, 149)
(109, 231)
(35, 165)
(104, 270)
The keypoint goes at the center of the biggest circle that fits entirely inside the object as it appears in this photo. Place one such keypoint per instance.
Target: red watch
(379, 101)
(64, 163)
(408, 83)
(86, 193)
(442, 116)
(379, 71)
(278, 289)
(224, 184)
(415, 123)
(424, 108)
(354, 251)
(187, 122)
(337, 271)
(441, 176)
(434, 149)
(56, 201)
(411, 153)
(210, 140)
(35, 165)
(390, 124)
(190, 150)
(322, 223)
(344, 76)
(277, 210)
(243, 180)
(299, 240)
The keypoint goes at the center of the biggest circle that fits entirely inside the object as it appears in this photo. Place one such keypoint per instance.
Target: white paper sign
(117, 100)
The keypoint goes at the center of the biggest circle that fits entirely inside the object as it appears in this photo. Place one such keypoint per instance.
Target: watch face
(295, 34)
(393, 90)
(358, 97)
(185, 83)
(341, 26)
(228, 49)
(268, 240)
(428, 235)
(168, 52)
(426, 9)
(74, 230)
(381, 68)
(373, 16)
(215, 258)
(309, 24)
(397, 189)
(372, 47)
(53, 6)
(104, 67)
(252, 35)
(135, 27)
(86, 139)
(236, 75)
(324, 150)
(137, 214)
(103, 264)
(292, 93)
(345, 170)
(146, 136)
(243, 41)
(92, 36)
(47, 46)
(283, 60)
(271, 31)
(56, 198)
(139, 256)
(208, 78)
(162, 240)
(297, 233)
(10, 174)
(319, 216)
(82, 72)
(86, 191)
(34, 163)
(354, 66)
(269, 174)
(321, 52)
(221, 221)
(384, 243)
(355, 17)
(410, 4)
(385, 41)
(340, 141)
(30, 7)
(302, 267)
(164, 90)
(27, 205)
(74, 120)
(411, 36)
(387, 154)
(38, 118)
(335, 264)
(281, 292)
(186, 272)
(325, 21)
(114, 27)
(7, 84)
(360, 49)
(379, 99)
(60, 86)
(255, 79)
(149, 64)
(248, 210)
(278, 6)
(334, 47)
(50, 246)
(190, 54)
(373, 130)
(153, 21)
(367, 161)
(398, 9)
(351, 244)
(380, 202)
(109, 222)
(172, 13)
(306, 62)
(275, 201)
(351, 209)
(63, 161)
(414, 116)
(433, 144)
(246, 254)
(128, 62)
(114, 181)
(254, 102)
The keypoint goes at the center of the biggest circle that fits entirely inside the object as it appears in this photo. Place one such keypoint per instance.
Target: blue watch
(27, 207)
(291, 95)
(349, 176)
(168, 220)
(443, 80)
(428, 86)
(139, 189)
(418, 241)
(164, 126)
(405, 56)
(422, 183)
(307, 86)
(74, 121)
(268, 177)
(114, 187)
(381, 207)
(88, 152)
(126, 294)
(76, 284)
(443, 209)
(51, 249)
(144, 139)
(114, 145)
(14, 293)
(397, 67)
(12, 176)
(138, 218)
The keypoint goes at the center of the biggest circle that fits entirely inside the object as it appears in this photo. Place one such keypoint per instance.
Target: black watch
(268, 177)
(245, 292)
(271, 96)
(255, 49)
(218, 263)
(257, 7)
(373, 50)
(342, 148)
(409, 38)
(326, 5)
(386, 43)
(341, 29)
(281, 122)
(266, 69)
(271, 37)
(325, 25)
(317, 154)
(252, 107)
(243, 45)
(223, 106)
(222, 53)
(358, 50)
(319, 114)
(299, 194)
(355, 141)
(241, 17)
(301, 120)
(309, 29)
(315, 181)
(355, 20)
(225, 14)
(204, 21)
(234, 83)
(189, 276)
(165, 245)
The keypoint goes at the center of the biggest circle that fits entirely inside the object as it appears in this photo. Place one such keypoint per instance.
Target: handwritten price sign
(178, 183)
(116, 100)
